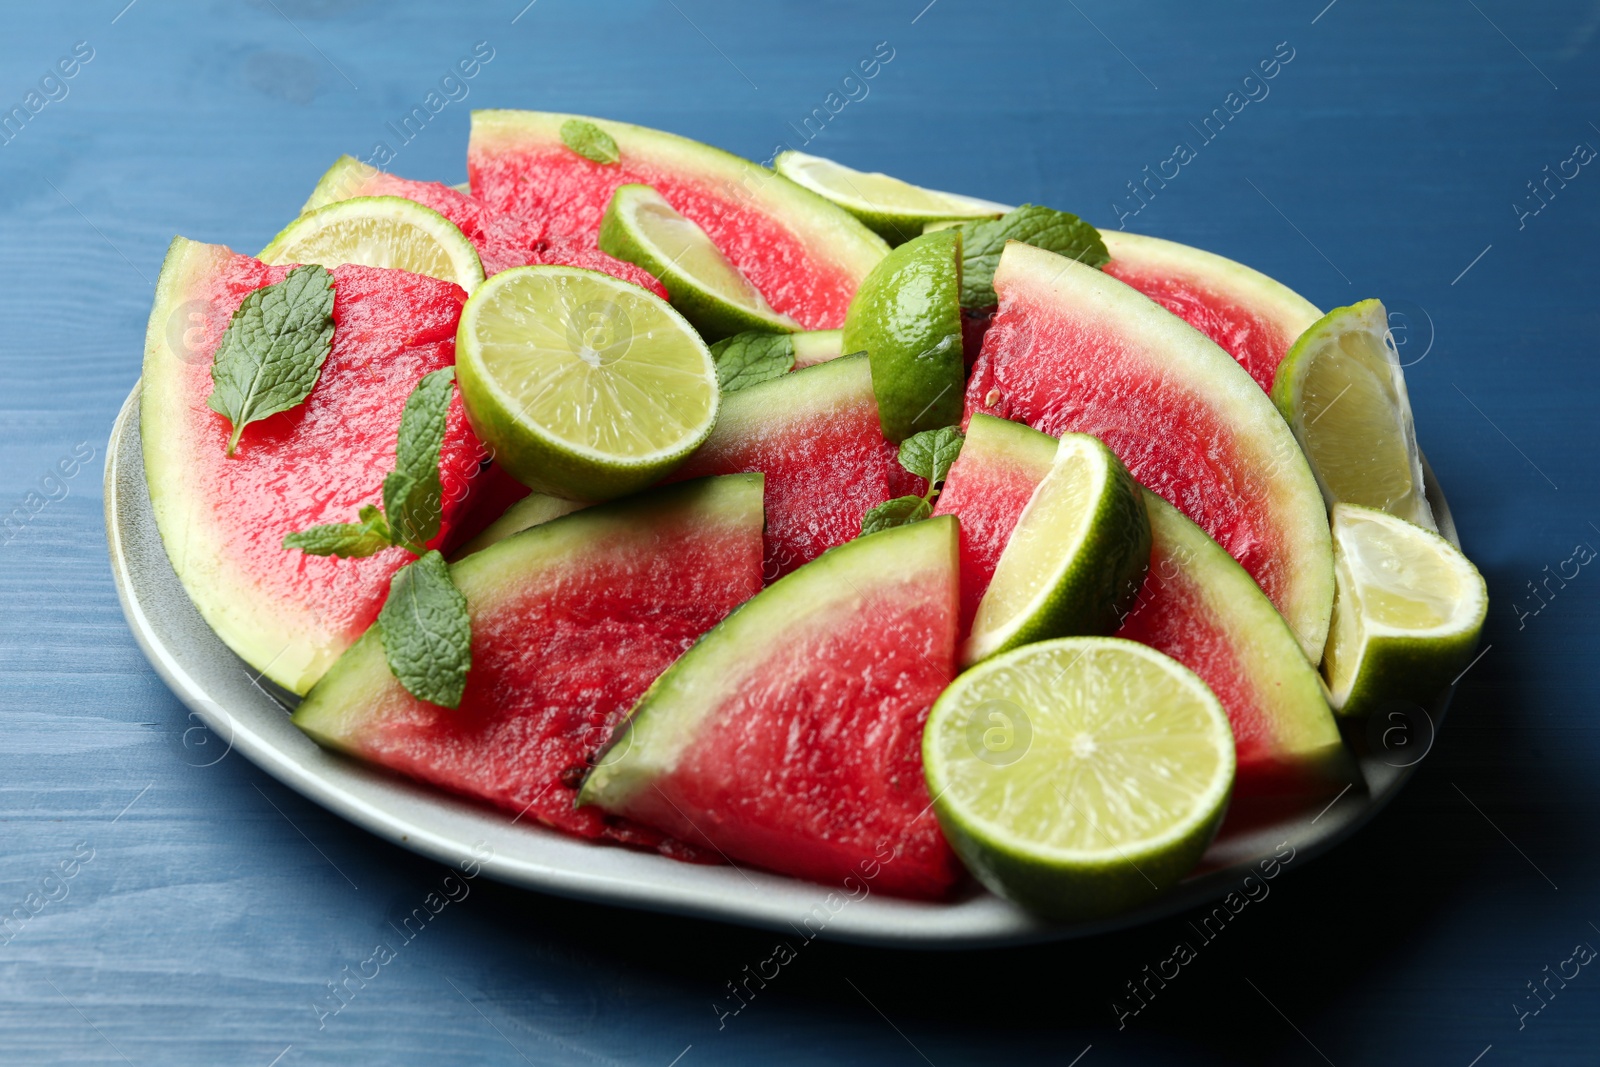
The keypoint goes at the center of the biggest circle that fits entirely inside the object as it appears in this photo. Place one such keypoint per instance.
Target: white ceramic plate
(251, 719)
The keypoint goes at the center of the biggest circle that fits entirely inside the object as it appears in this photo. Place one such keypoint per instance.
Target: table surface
(1392, 155)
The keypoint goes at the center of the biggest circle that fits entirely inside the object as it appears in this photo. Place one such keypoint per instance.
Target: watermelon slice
(223, 519)
(1196, 605)
(805, 255)
(815, 434)
(1253, 317)
(1072, 348)
(790, 737)
(503, 241)
(571, 621)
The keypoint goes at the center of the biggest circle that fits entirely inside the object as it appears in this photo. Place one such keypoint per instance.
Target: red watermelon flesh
(790, 737)
(223, 518)
(571, 621)
(815, 434)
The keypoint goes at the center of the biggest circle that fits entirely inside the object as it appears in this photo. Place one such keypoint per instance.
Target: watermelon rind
(345, 179)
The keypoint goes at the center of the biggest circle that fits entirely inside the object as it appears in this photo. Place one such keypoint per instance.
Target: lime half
(1079, 777)
(1075, 560)
(585, 386)
(641, 227)
(1343, 392)
(1408, 610)
(896, 210)
(379, 231)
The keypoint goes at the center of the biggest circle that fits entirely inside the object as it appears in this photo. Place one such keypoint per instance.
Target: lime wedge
(1081, 776)
(585, 386)
(896, 210)
(641, 227)
(1075, 560)
(379, 231)
(1343, 393)
(1408, 609)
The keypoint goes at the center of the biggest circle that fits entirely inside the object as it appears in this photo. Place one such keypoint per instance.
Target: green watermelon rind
(795, 397)
(1189, 360)
(669, 716)
(1000, 441)
(332, 711)
(347, 178)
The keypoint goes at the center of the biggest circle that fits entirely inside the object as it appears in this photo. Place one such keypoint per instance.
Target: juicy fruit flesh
(594, 366)
(1405, 583)
(378, 234)
(683, 243)
(570, 193)
(1122, 747)
(878, 192)
(224, 518)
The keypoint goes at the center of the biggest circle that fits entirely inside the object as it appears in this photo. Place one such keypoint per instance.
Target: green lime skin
(907, 318)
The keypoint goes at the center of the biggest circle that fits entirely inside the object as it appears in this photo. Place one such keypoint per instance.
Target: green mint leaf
(351, 540)
(412, 495)
(1054, 231)
(900, 511)
(273, 349)
(589, 141)
(930, 453)
(427, 634)
(747, 358)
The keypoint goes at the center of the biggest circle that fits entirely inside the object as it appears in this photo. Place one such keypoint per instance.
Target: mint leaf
(747, 358)
(427, 634)
(1054, 231)
(589, 141)
(273, 349)
(900, 511)
(351, 540)
(412, 495)
(930, 453)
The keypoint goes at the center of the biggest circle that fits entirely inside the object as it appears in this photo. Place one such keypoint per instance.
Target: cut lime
(641, 227)
(379, 231)
(896, 210)
(907, 318)
(1081, 776)
(585, 386)
(1075, 560)
(1343, 392)
(1408, 609)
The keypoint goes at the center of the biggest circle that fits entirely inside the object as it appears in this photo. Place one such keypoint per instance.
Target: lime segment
(1079, 776)
(641, 227)
(379, 231)
(896, 210)
(1342, 391)
(1408, 610)
(1075, 559)
(585, 386)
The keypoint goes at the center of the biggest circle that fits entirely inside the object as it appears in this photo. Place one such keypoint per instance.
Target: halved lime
(379, 231)
(1075, 560)
(907, 317)
(1080, 776)
(896, 210)
(1344, 395)
(585, 386)
(641, 227)
(1408, 609)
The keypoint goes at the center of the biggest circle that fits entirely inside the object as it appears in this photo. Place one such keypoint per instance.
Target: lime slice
(379, 231)
(1343, 392)
(1081, 776)
(641, 227)
(1408, 609)
(1075, 560)
(907, 317)
(896, 210)
(585, 386)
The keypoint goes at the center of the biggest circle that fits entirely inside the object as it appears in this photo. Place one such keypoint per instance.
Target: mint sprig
(590, 141)
(746, 359)
(273, 349)
(427, 633)
(1054, 231)
(929, 455)
(348, 539)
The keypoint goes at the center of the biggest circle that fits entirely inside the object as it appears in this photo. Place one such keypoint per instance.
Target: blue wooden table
(182, 907)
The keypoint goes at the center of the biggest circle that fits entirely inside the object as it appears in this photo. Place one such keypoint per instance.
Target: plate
(250, 718)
